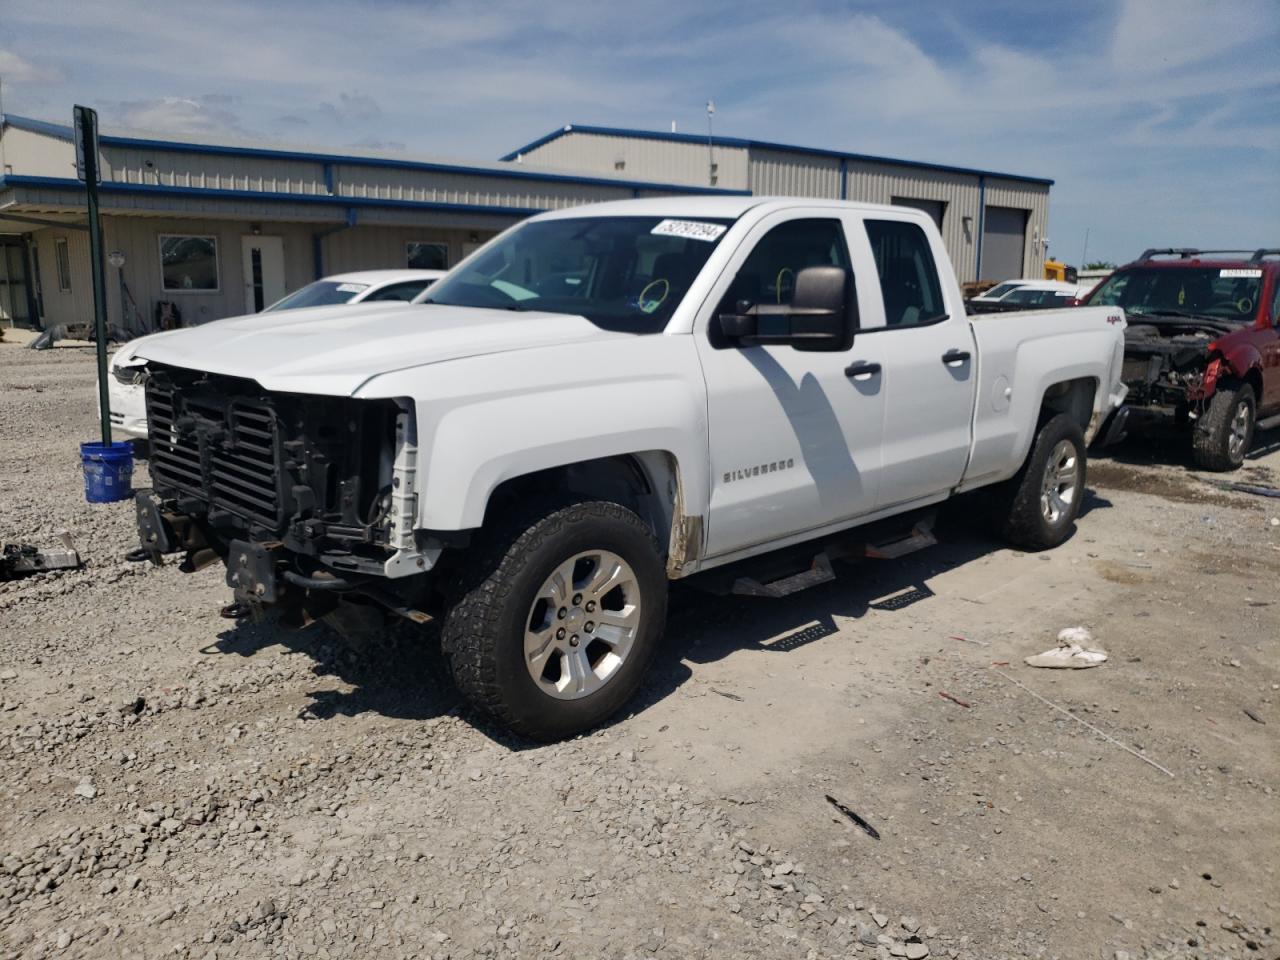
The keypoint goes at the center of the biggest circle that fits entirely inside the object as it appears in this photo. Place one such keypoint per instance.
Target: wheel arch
(646, 482)
(1077, 398)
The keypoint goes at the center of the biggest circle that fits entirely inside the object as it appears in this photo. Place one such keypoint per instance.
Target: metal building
(222, 229)
(995, 224)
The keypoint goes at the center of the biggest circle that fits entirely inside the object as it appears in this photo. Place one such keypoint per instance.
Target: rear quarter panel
(1020, 356)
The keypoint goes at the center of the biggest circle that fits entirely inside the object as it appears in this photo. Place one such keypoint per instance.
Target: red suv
(1203, 344)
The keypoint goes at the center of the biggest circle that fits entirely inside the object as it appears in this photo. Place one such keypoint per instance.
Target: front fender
(485, 420)
(1239, 359)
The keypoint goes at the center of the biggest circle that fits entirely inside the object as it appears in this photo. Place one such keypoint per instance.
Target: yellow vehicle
(1057, 270)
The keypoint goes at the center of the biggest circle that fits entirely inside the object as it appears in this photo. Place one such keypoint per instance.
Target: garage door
(934, 208)
(1004, 237)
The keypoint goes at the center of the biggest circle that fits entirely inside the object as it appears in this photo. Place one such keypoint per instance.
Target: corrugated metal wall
(436, 187)
(222, 171)
(663, 161)
(881, 182)
(31, 154)
(778, 174)
(358, 248)
(374, 248)
(768, 172)
(212, 171)
(139, 240)
(75, 306)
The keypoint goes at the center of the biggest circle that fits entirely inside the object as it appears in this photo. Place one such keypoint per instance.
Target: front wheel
(1224, 433)
(1037, 507)
(559, 617)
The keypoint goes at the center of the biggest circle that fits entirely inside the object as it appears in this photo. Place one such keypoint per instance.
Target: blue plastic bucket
(108, 471)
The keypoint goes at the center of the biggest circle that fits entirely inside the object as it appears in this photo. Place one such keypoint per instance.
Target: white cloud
(180, 115)
(17, 69)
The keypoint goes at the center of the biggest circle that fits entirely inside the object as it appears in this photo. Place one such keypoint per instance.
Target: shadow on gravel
(1167, 444)
(399, 675)
(403, 675)
(704, 628)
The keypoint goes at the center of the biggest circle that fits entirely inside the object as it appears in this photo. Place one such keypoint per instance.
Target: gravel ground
(176, 784)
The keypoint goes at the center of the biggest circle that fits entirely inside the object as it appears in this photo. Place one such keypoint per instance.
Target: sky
(1159, 120)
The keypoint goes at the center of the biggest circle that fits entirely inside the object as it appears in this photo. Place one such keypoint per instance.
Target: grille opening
(259, 461)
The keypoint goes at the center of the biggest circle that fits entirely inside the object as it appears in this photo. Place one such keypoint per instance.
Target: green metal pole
(89, 131)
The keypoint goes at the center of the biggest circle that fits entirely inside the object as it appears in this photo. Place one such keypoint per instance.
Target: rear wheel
(559, 616)
(1224, 433)
(1038, 506)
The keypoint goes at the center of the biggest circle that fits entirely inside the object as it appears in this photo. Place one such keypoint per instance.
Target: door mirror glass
(822, 314)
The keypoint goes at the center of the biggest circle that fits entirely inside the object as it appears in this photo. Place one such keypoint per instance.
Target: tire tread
(483, 590)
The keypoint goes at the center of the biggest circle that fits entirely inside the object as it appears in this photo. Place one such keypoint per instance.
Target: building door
(15, 284)
(1004, 238)
(263, 271)
(934, 208)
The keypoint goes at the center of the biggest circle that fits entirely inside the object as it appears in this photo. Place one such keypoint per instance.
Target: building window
(62, 256)
(426, 256)
(189, 263)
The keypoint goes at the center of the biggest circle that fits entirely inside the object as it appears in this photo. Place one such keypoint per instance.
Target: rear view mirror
(822, 315)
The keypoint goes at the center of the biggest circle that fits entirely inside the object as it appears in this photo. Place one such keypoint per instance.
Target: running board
(819, 572)
(1267, 424)
(921, 536)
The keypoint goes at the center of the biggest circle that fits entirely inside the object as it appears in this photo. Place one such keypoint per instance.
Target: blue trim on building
(844, 178)
(514, 173)
(208, 193)
(702, 140)
(328, 178)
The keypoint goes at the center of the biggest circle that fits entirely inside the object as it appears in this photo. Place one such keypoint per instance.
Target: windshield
(320, 294)
(1229, 294)
(621, 273)
(999, 290)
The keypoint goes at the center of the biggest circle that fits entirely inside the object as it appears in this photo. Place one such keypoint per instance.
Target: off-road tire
(1019, 516)
(1211, 435)
(483, 634)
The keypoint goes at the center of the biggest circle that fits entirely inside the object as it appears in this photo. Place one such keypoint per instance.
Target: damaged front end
(307, 499)
(1170, 368)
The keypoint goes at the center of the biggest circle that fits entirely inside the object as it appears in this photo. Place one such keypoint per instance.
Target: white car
(124, 389)
(360, 287)
(606, 398)
(1028, 295)
(996, 293)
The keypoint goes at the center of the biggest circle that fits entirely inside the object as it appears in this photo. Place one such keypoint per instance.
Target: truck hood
(334, 350)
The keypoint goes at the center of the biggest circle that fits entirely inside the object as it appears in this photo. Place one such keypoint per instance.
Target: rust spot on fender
(686, 543)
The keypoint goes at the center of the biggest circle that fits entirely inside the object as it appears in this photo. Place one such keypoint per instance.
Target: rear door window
(908, 277)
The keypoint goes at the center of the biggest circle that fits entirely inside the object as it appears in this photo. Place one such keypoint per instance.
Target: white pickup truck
(603, 399)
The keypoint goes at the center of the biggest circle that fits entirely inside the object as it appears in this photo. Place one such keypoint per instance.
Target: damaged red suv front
(1202, 345)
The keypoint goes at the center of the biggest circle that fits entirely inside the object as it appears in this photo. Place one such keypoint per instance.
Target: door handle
(955, 357)
(861, 371)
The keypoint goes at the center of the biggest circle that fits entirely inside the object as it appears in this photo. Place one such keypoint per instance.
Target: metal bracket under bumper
(251, 571)
(155, 533)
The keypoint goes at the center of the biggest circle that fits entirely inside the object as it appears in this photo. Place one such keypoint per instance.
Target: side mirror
(822, 315)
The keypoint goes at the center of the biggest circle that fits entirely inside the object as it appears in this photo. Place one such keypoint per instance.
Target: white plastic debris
(1075, 651)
